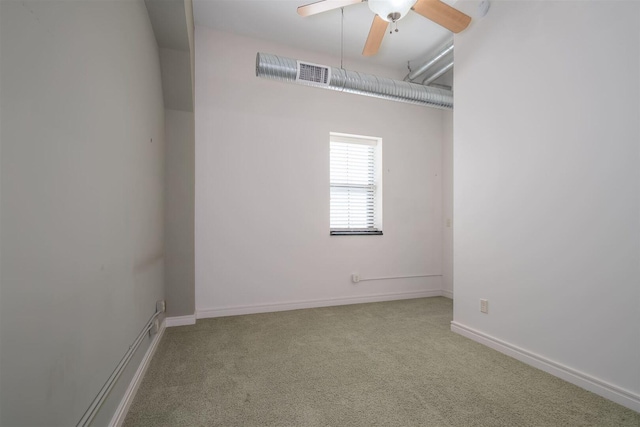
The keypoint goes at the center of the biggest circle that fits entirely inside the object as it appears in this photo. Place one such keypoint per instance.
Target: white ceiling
(277, 21)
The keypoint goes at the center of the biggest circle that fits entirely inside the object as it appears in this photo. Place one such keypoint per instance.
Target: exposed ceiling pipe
(440, 53)
(294, 71)
(429, 79)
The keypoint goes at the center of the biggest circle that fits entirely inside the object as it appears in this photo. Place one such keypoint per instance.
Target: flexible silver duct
(285, 69)
(440, 53)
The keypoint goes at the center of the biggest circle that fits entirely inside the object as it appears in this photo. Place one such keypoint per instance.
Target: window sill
(355, 233)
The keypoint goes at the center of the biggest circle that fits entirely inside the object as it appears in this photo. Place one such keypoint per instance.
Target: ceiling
(278, 21)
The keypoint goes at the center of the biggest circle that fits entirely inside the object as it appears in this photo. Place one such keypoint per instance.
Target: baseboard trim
(121, 412)
(447, 294)
(189, 319)
(297, 305)
(614, 393)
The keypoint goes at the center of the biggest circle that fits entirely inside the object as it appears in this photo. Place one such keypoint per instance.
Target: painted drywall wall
(547, 183)
(179, 181)
(179, 213)
(176, 79)
(82, 202)
(0, 210)
(172, 22)
(447, 204)
(188, 11)
(262, 187)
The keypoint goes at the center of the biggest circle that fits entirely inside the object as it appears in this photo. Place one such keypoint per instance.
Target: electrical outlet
(355, 277)
(161, 306)
(484, 306)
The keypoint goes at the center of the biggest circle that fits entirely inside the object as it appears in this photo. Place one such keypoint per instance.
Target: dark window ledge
(355, 233)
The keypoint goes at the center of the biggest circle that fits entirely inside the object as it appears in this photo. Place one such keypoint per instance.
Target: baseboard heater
(152, 327)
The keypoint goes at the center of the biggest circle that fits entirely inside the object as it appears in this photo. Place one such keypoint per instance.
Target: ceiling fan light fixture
(391, 10)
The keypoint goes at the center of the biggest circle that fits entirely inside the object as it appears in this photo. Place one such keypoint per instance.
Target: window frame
(375, 142)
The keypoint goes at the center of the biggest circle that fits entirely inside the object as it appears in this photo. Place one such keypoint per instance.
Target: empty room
(330, 213)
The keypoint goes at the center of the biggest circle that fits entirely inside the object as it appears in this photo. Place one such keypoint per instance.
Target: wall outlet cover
(484, 306)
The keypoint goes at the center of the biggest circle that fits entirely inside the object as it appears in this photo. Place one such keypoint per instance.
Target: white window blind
(354, 185)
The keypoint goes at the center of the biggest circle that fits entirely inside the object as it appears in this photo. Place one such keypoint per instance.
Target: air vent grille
(313, 74)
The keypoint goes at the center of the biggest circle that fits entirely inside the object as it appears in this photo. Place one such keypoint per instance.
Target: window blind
(353, 184)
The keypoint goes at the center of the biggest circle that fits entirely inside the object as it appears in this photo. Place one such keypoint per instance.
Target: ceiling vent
(290, 70)
(313, 74)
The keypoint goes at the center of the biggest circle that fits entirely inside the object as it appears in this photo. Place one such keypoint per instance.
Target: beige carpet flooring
(381, 364)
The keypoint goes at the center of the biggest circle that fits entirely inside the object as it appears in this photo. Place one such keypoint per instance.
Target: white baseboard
(181, 320)
(608, 391)
(447, 294)
(121, 412)
(268, 308)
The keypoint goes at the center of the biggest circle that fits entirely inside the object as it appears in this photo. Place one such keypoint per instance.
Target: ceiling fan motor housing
(391, 10)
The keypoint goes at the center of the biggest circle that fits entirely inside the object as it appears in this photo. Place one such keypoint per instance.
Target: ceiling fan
(391, 11)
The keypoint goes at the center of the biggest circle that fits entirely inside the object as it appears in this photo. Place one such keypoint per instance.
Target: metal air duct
(294, 71)
(440, 53)
(431, 78)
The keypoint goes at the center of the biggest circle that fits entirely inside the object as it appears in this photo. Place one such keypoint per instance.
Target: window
(356, 185)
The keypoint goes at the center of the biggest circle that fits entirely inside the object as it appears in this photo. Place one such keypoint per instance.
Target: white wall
(447, 204)
(262, 187)
(172, 22)
(176, 79)
(547, 185)
(1, 133)
(179, 212)
(82, 183)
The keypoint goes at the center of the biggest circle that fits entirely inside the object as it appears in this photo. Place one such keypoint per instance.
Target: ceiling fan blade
(376, 34)
(443, 14)
(324, 5)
